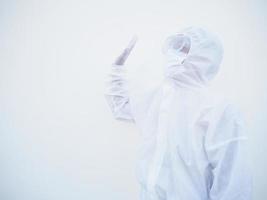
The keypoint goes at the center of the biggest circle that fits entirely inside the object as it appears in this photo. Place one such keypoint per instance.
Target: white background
(58, 139)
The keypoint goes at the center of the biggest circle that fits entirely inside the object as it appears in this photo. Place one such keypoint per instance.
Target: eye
(178, 43)
(186, 46)
(181, 44)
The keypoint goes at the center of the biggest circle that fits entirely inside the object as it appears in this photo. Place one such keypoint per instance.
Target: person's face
(181, 43)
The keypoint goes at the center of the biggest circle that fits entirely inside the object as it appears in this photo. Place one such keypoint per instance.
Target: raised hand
(126, 52)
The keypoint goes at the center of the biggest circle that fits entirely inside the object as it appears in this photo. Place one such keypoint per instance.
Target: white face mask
(178, 46)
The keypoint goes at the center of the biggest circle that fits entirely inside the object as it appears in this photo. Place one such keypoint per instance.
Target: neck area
(183, 76)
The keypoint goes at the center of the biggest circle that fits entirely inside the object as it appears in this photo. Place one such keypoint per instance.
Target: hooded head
(193, 56)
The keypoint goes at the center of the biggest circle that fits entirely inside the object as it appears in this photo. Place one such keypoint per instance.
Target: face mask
(176, 46)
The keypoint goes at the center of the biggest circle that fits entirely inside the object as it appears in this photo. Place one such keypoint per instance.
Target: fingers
(132, 43)
(122, 58)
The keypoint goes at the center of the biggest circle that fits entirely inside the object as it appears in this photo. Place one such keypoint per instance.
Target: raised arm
(116, 93)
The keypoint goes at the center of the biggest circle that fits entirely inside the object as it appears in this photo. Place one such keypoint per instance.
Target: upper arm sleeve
(226, 152)
(117, 94)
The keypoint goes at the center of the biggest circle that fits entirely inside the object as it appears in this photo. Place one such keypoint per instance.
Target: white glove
(122, 58)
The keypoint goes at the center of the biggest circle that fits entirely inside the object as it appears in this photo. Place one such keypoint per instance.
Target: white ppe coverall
(192, 141)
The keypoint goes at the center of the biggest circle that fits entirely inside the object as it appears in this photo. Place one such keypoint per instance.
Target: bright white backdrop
(58, 139)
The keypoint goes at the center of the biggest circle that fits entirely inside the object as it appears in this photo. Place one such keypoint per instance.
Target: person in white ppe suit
(192, 141)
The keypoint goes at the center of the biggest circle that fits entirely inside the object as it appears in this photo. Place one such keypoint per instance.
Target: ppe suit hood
(197, 66)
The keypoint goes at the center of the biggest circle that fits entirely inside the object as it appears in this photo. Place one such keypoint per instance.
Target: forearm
(117, 92)
(232, 178)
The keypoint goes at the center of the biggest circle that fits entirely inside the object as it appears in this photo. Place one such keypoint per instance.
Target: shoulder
(216, 105)
(225, 125)
(222, 111)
